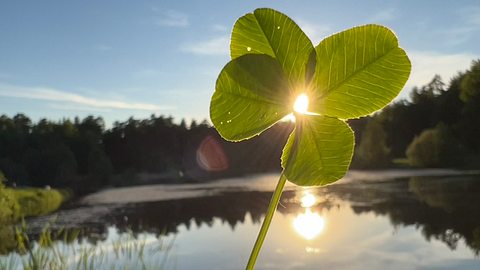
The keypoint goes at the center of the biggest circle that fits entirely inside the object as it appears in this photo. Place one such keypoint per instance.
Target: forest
(439, 126)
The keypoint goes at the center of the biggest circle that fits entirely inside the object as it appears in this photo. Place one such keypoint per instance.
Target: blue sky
(121, 58)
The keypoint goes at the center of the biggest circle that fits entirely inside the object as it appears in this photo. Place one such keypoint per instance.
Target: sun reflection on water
(308, 224)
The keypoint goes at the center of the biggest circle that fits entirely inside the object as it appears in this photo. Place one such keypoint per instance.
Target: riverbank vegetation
(438, 126)
(18, 203)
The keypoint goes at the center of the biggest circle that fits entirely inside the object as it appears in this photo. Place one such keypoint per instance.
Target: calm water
(407, 223)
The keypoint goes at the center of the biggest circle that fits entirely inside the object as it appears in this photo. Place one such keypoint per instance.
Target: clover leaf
(347, 75)
(356, 72)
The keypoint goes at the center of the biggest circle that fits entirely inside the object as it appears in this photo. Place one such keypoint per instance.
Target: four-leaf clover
(348, 75)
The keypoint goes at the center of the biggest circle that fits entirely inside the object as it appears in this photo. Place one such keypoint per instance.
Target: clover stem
(272, 207)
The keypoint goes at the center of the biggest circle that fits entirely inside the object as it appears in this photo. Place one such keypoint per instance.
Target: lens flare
(211, 156)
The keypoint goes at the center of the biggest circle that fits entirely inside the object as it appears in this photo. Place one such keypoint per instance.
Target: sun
(308, 200)
(301, 104)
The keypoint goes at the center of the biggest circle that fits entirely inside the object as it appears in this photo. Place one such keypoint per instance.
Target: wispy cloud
(75, 108)
(173, 18)
(471, 15)
(459, 34)
(383, 15)
(219, 28)
(43, 93)
(214, 46)
(316, 32)
(147, 73)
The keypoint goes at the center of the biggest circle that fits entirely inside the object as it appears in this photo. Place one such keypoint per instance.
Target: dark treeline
(84, 156)
(61, 153)
(439, 127)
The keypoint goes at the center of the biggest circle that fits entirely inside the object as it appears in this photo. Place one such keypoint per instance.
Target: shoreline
(256, 182)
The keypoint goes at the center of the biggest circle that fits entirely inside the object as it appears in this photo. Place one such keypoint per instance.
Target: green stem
(266, 222)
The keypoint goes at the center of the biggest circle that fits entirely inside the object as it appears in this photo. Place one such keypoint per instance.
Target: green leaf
(267, 31)
(358, 71)
(318, 152)
(251, 94)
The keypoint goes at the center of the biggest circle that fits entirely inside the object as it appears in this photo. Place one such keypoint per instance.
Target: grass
(123, 251)
(9, 206)
(37, 202)
(62, 250)
(17, 203)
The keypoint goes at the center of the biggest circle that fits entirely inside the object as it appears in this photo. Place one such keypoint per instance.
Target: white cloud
(214, 46)
(316, 32)
(42, 93)
(173, 18)
(426, 64)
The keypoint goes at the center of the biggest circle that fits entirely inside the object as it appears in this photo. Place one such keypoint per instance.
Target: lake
(369, 220)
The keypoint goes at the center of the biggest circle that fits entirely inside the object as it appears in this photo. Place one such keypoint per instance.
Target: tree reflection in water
(443, 208)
